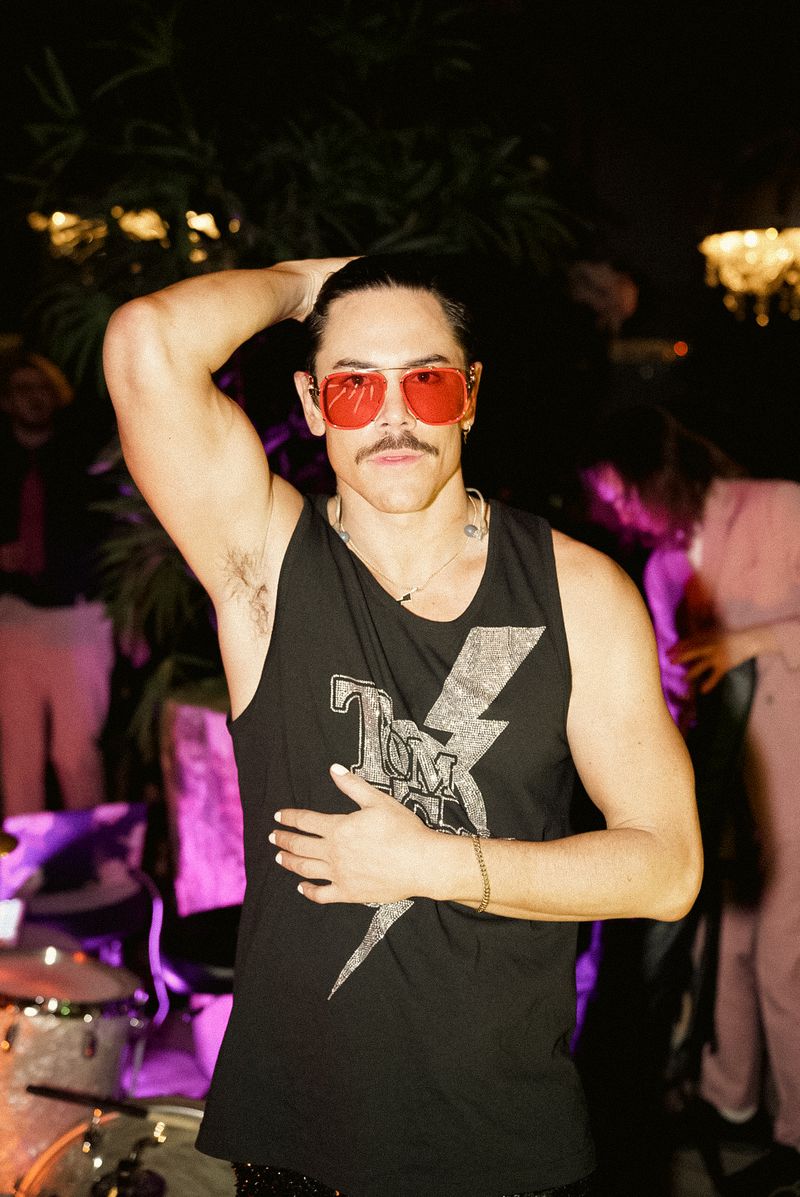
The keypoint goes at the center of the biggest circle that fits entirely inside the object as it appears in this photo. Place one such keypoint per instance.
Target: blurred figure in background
(56, 644)
(723, 587)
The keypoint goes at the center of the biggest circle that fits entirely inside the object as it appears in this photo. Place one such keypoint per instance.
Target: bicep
(628, 752)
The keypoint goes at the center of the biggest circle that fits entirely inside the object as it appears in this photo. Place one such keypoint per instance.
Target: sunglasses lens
(352, 400)
(436, 396)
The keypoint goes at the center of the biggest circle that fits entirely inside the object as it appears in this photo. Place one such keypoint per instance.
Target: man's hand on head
(315, 271)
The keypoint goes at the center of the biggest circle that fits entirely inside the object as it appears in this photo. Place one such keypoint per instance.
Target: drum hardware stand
(127, 1178)
(153, 947)
(136, 1058)
(78, 1098)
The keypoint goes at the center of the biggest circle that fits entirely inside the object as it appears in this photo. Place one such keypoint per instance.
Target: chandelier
(755, 265)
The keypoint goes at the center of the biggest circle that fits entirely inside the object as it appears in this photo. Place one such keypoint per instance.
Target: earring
(464, 432)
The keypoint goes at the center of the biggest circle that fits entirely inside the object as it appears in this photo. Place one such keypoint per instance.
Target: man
(406, 692)
(56, 644)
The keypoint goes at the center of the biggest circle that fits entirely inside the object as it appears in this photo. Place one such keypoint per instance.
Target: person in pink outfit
(56, 642)
(723, 587)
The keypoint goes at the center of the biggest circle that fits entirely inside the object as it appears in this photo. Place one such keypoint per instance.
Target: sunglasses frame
(467, 379)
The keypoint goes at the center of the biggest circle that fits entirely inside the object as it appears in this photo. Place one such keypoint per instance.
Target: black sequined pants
(259, 1180)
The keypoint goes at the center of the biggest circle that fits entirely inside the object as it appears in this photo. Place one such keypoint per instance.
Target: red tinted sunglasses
(352, 398)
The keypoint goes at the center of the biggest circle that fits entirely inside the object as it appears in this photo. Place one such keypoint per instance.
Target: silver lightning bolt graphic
(381, 922)
(488, 659)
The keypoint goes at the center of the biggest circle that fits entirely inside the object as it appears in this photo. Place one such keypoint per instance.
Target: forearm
(617, 873)
(760, 640)
(781, 637)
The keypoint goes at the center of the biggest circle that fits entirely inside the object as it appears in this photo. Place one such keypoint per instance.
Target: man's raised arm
(192, 451)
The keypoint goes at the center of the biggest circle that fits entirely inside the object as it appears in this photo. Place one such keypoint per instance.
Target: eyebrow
(432, 359)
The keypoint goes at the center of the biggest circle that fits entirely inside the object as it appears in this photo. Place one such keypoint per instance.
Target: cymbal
(8, 843)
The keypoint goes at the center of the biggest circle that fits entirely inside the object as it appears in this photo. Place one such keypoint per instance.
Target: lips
(395, 458)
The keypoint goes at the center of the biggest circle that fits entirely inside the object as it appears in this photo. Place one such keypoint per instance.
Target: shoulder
(781, 496)
(585, 575)
(601, 603)
(763, 514)
(778, 532)
(754, 494)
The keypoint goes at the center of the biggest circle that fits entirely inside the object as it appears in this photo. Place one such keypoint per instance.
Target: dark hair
(417, 272)
(671, 467)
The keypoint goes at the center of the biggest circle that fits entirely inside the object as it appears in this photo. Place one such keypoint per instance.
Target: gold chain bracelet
(487, 889)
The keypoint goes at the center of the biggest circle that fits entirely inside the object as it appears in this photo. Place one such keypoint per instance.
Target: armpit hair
(244, 578)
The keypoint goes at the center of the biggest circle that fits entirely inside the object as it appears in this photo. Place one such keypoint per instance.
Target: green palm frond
(387, 35)
(153, 46)
(52, 87)
(358, 189)
(74, 317)
(346, 168)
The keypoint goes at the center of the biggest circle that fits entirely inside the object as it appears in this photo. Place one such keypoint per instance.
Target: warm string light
(73, 236)
(757, 265)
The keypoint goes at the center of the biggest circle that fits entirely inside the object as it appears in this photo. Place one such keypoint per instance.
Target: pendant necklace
(471, 531)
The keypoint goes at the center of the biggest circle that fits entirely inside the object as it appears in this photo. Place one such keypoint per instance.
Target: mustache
(389, 444)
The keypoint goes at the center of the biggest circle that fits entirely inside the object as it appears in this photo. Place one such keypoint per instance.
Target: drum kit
(70, 1025)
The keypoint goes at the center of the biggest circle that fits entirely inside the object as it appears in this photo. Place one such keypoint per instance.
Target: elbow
(133, 350)
(680, 889)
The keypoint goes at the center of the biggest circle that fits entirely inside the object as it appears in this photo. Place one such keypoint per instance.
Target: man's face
(397, 463)
(30, 399)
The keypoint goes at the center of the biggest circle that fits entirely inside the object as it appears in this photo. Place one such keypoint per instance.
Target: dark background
(649, 115)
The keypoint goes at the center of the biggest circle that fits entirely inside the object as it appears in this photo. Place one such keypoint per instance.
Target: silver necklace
(471, 530)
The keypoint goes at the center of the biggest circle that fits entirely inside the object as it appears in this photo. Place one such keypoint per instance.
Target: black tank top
(417, 1049)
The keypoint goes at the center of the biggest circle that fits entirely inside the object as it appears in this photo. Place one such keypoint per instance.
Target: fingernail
(279, 858)
(278, 817)
(339, 770)
(300, 890)
(271, 837)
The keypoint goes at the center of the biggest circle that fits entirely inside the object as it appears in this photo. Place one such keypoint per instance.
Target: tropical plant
(351, 167)
(136, 181)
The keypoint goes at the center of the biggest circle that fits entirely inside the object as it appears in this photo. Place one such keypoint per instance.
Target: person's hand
(707, 656)
(377, 854)
(314, 272)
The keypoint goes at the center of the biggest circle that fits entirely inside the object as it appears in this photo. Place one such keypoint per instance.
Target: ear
(302, 382)
(473, 382)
